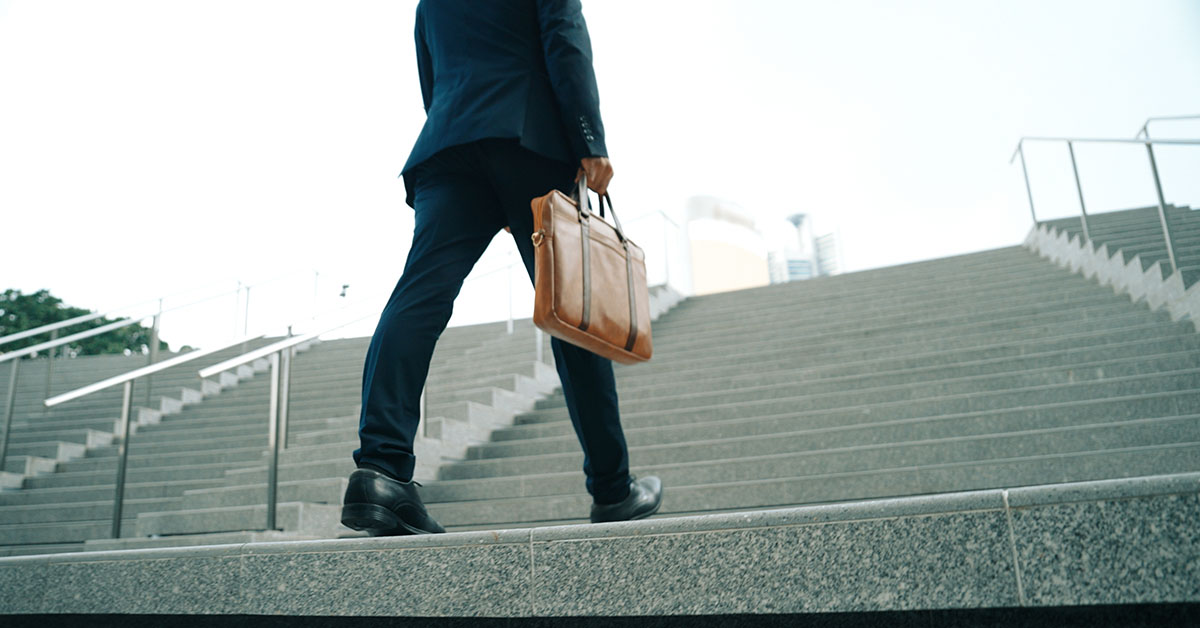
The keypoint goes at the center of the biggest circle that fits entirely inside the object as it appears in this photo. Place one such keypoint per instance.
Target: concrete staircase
(984, 430)
(203, 470)
(62, 461)
(1137, 233)
(994, 369)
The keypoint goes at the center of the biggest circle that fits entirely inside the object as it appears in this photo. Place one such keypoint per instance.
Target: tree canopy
(19, 312)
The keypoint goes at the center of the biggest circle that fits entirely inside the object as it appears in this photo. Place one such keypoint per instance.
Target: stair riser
(891, 401)
(88, 511)
(1158, 405)
(162, 461)
(866, 361)
(791, 491)
(930, 351)
(951, 337)
(785, 369)
(317, 491)
(884, 392)
(883, 456)
(1078, 370)
(101, 493)
(166, 476)
(817, 436)
(1036, 297)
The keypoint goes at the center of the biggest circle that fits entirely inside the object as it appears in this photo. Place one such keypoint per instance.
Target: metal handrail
(1145, 130)
(280, 356)
(130, 319)
(50, 344)
(1096, 140)
(1147, 142)
(125, 432)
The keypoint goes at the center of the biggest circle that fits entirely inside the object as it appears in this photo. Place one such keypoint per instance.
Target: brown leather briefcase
(589, 279)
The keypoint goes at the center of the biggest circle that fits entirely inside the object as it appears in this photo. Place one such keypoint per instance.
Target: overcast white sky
(148, 146)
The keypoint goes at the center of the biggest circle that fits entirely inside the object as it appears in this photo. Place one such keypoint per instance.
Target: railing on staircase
(123, 436)
(125, 321)
(1147, 142)
(280, 356)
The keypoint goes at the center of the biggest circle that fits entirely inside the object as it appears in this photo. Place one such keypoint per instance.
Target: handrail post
(1079, 187)
(285, 388)
(246, 320)
(273, 443)
(153, 349)
(49, 365)
(8, 411)
(540, 351)
(237, 298)
(510, 298)
(1162, 208)
(123, 454)
(423, 410)
(666, 248)
(1028, 190)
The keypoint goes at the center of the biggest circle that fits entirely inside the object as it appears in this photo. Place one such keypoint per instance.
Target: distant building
(727, 250)
(803, 255)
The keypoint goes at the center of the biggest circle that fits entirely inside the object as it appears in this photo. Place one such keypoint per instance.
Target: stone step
(321, 519)
(108, 464)
(1060, 413)
(878, 387)
(894, 400)
(883, 453)
(195, 540)
(54, 450)
(29, 465)
(89, 438)
(1059, 287)
(782, 368)
(62, 531)
(973, 552)
(70, 494)
(932, 351)
(171, 475)
(877, 431)
(826, 487)
(889, 313)
(872, 339)
(81, 511)
(317, 491)
(36, 549)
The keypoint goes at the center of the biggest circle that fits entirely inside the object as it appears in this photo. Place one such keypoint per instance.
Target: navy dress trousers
(512, 106)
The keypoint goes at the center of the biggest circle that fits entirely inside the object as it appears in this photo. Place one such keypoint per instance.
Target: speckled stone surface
(1109, 552)
(1104, 489)
(491, 581)
(22, 587)
(941, 561)
(1076, 545)
(168, 586)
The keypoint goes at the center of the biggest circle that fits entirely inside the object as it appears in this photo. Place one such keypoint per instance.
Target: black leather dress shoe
(645, 496)
(384, 506)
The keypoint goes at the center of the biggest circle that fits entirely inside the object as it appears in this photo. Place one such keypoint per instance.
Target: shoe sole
(376, 520)
(637, 516)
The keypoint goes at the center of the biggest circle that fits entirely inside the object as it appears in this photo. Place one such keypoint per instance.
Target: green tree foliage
(19, 312)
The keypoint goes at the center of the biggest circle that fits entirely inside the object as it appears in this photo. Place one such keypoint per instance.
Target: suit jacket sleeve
(424, 63)
(568, 51)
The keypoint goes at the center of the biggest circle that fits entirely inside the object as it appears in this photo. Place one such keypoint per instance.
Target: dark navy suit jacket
(507, 69)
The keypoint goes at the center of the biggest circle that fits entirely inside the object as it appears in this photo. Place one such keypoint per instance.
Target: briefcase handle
(582, 200)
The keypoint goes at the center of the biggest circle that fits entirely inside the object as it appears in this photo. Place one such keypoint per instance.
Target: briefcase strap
(581, 206)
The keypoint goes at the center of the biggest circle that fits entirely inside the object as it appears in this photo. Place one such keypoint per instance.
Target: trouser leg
(587, 379)
(456, 217)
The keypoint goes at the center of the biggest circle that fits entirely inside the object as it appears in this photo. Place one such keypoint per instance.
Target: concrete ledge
(1111, 542)
(1109, 268)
